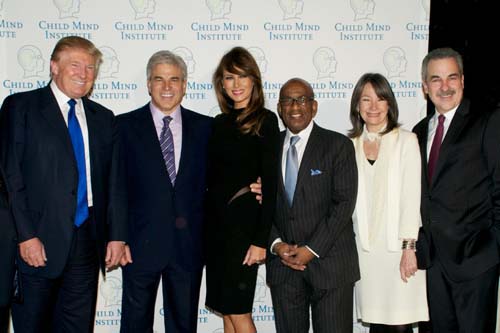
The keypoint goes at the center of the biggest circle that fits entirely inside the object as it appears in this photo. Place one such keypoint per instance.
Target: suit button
(73, 193)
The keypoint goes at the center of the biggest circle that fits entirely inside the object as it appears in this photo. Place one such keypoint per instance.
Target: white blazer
(403, 189)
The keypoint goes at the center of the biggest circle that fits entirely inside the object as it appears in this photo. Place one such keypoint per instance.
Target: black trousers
(331, 308)
(67, 303)
(464, 307)
(181, 291)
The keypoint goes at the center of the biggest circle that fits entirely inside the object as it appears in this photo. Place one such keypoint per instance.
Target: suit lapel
(187, 147)
(457, 124)
(281, 184)
(310, 156)
(52, 113)
(422, 135)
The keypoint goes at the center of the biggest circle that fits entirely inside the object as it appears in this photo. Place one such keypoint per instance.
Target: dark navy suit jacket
(41, 171)
(165, 221)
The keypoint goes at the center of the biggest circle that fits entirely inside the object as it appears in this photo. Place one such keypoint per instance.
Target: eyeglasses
(302, 100)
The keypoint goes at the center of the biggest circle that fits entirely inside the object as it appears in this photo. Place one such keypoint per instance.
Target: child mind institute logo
(395, 62)
(110, 64)
(292, 9)
(188, 58)
(325, 63)
(260, 58)
(143, 8)
(67, 8)
(30, 58)
(219, 9)
(363, 9)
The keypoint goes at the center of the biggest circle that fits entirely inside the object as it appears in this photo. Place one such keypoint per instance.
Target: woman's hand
(255, 255)
(408, 264)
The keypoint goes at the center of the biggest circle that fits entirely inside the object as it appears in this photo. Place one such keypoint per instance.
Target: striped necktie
(167, 148)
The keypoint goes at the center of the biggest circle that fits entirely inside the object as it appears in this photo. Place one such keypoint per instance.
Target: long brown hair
(239, 61)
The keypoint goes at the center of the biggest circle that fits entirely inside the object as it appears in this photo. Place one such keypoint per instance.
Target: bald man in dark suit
(313, 262)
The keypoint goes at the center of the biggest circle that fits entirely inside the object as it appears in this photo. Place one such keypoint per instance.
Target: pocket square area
(315, 172)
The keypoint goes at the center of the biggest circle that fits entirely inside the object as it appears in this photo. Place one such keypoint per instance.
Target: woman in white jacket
(391, 294)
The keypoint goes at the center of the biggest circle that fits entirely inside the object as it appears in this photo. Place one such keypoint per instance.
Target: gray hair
(442, 53)
(166, 57)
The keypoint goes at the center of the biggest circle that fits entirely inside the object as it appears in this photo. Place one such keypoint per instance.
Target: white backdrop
(330, 43)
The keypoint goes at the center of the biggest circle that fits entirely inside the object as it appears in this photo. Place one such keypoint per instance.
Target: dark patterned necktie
(436, 146)
(167, 148)
(75, 133)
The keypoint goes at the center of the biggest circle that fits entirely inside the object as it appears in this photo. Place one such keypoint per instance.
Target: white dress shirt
(62, 101)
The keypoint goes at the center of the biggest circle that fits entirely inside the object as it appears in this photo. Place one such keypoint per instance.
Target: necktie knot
(294, 139)
(167, 120)
(441, 119)
(72, 103)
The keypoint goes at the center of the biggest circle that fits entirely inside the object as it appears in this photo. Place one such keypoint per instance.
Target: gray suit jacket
(320, 216)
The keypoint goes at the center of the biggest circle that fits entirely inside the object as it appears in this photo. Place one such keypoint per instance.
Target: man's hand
(127, 257)
(114, 253)
(408, 265)
(33, 252)
(255, 255)
(293, 256)
(257, 188)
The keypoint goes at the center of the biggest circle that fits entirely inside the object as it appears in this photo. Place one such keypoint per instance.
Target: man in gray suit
(313, 261)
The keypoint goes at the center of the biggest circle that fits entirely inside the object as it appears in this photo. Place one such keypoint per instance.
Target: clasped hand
(293, 256)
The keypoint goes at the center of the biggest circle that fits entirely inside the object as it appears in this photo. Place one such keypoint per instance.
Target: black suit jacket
(8, 244)
(41, 170)
(460, 206)
(165, 221)
(320, 216)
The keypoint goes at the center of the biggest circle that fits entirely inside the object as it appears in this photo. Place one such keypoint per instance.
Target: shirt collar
(158, 115)
(61, 98)
(303, 135)
(447, 115)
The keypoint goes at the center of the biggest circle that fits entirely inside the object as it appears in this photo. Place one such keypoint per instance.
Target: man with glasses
(313, 262)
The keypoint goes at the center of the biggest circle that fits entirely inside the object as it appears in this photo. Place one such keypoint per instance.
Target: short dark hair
(383, 90)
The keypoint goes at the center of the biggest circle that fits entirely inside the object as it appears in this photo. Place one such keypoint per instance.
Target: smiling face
(296, 117)
(74, 72)
(444, 84)
(167, 87)
(238, 87)
(373, 109)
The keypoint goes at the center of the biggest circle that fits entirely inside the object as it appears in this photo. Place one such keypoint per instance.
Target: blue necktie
(292, 169)
(167, 148)
(75, 133)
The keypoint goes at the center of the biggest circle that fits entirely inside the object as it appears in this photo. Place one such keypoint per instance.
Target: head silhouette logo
(188, 58)
(111, 291)
(110, 64)
(260, 57)
(219, 9)
(363, 9)
(325, 63)
(292, 9)
(143, 8)
(394, 61)
(31, 61)
(67, 8)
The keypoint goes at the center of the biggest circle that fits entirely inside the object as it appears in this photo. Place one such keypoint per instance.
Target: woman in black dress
(243, 147)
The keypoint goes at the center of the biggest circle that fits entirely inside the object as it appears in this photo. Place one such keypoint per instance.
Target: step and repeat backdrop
(330, 43)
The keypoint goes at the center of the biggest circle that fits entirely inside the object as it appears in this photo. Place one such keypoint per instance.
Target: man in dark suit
(313, 262)
(8, 244)
(165, 152)
(460, 207)
(61, 168)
